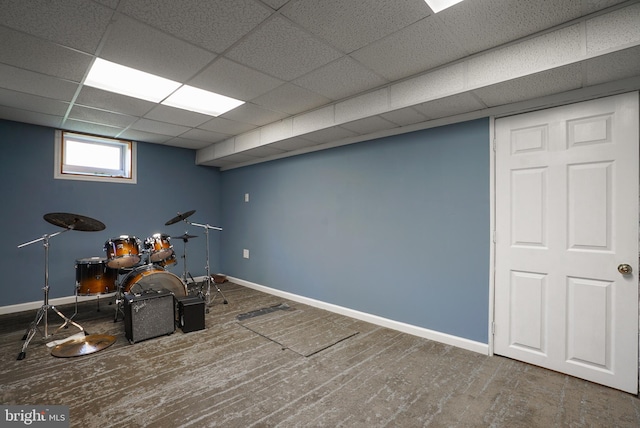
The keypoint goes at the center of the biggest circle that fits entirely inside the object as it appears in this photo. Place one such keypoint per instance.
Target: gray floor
(296, 367)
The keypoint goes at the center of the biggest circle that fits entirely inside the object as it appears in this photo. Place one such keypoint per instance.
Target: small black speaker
(147, 315)
(190, 313)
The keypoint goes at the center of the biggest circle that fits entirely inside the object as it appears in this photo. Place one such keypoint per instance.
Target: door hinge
(494, 144)
(493, 328)
(494, 237)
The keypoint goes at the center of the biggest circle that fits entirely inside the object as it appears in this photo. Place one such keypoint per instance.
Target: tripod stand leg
(31, 331)
(67, 321)
(224, 301)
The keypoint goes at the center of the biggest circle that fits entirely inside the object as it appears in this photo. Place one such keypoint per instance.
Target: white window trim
(58, 174)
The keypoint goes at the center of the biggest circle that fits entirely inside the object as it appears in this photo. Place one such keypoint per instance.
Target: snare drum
(151, 277)
(93, 276)
(159, 247)
(122, 252)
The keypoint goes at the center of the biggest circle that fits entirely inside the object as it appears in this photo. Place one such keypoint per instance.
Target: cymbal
(179, 217)
(74, 222)
(83, 346)
(184, 237)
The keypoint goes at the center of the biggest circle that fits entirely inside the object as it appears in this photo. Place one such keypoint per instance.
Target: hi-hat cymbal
(184, 237)
(74, 222)
(179, 217)
(83, 346)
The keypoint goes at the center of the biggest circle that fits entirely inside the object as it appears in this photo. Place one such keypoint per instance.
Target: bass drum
(153, 278)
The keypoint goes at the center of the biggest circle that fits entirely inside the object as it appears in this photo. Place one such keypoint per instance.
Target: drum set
(130, 266)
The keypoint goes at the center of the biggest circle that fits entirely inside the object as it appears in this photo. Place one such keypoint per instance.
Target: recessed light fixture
(201, 101)
(128, 81)
(120, 79)
(438, 5)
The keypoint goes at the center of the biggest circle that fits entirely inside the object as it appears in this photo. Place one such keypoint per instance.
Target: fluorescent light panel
(201, 101)
(438, 5)
(128, 81)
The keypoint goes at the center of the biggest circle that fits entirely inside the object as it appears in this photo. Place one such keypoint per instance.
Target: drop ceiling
(313, 74)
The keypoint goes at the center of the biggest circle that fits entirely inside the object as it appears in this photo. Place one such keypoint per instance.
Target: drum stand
(44, 309)
(206, 295)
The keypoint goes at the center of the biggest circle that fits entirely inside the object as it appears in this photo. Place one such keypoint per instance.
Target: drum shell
(160, 247)
(93, 276)
(122, 252)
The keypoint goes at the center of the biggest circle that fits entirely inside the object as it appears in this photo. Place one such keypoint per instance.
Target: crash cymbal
(179, 217)
(83, 346)
(74, 222)
(184, 237)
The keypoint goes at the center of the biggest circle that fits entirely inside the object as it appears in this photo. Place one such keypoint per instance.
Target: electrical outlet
(246, 197)
(245, 253)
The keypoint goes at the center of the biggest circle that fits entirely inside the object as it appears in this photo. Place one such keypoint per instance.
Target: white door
(566, 220)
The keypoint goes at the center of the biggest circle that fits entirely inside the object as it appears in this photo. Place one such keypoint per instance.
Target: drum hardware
(69, 222)
(205, 291)
(185, 239)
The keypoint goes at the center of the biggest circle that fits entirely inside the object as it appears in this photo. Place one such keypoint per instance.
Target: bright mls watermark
(34, 416)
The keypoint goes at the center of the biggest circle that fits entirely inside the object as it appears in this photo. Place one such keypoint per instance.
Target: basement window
(90, 158)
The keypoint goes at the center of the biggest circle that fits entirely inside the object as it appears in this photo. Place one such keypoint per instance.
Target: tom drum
(159, 247)
(122, 252)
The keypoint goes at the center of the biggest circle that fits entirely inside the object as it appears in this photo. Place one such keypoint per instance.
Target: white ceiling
(313, 73)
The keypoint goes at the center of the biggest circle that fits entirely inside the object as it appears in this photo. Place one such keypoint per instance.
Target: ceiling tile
(234, 80)
(36, 84)
(176, 116)
(31, 53)
(88, 114)
(253, 114)
(282, 50)
(537, 85)
(290, 99)
(226, 126)
(450, 106)
(474, 23)
(275, 4)
(91, 128)
(32, 103)
(141, 47)
(369, 125)
(340, 79)
(293, 144)
(204, 136)
(421, 46)
(11, 113)
(329, 135)
(111, 101)
(404, 116)
(159, 127)
(614, 66)
(147, 137)
(74, 23)
(334, 20)
(187, 143)
(212, 24)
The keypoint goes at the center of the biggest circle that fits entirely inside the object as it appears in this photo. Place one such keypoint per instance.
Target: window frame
(128, 153)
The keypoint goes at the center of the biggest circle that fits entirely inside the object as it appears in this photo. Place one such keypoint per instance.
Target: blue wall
(397, 227)
(168, 182)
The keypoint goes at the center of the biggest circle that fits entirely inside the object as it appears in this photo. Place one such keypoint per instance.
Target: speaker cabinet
(190, 313)
(148, 315)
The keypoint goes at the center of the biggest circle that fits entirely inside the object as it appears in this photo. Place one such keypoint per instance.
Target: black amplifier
(147, 315)
(190, 313)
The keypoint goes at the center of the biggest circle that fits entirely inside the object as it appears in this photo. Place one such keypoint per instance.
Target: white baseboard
(436, 336)
(30, 306)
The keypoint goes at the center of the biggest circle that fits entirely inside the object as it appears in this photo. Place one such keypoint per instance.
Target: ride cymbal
(83, 346)
(74, 222)
(179, 217)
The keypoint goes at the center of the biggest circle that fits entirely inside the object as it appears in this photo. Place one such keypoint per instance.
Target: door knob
(625, 269)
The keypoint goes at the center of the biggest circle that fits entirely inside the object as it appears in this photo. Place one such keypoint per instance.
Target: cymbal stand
(185, 274)
(206, 295)
(44, 309)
